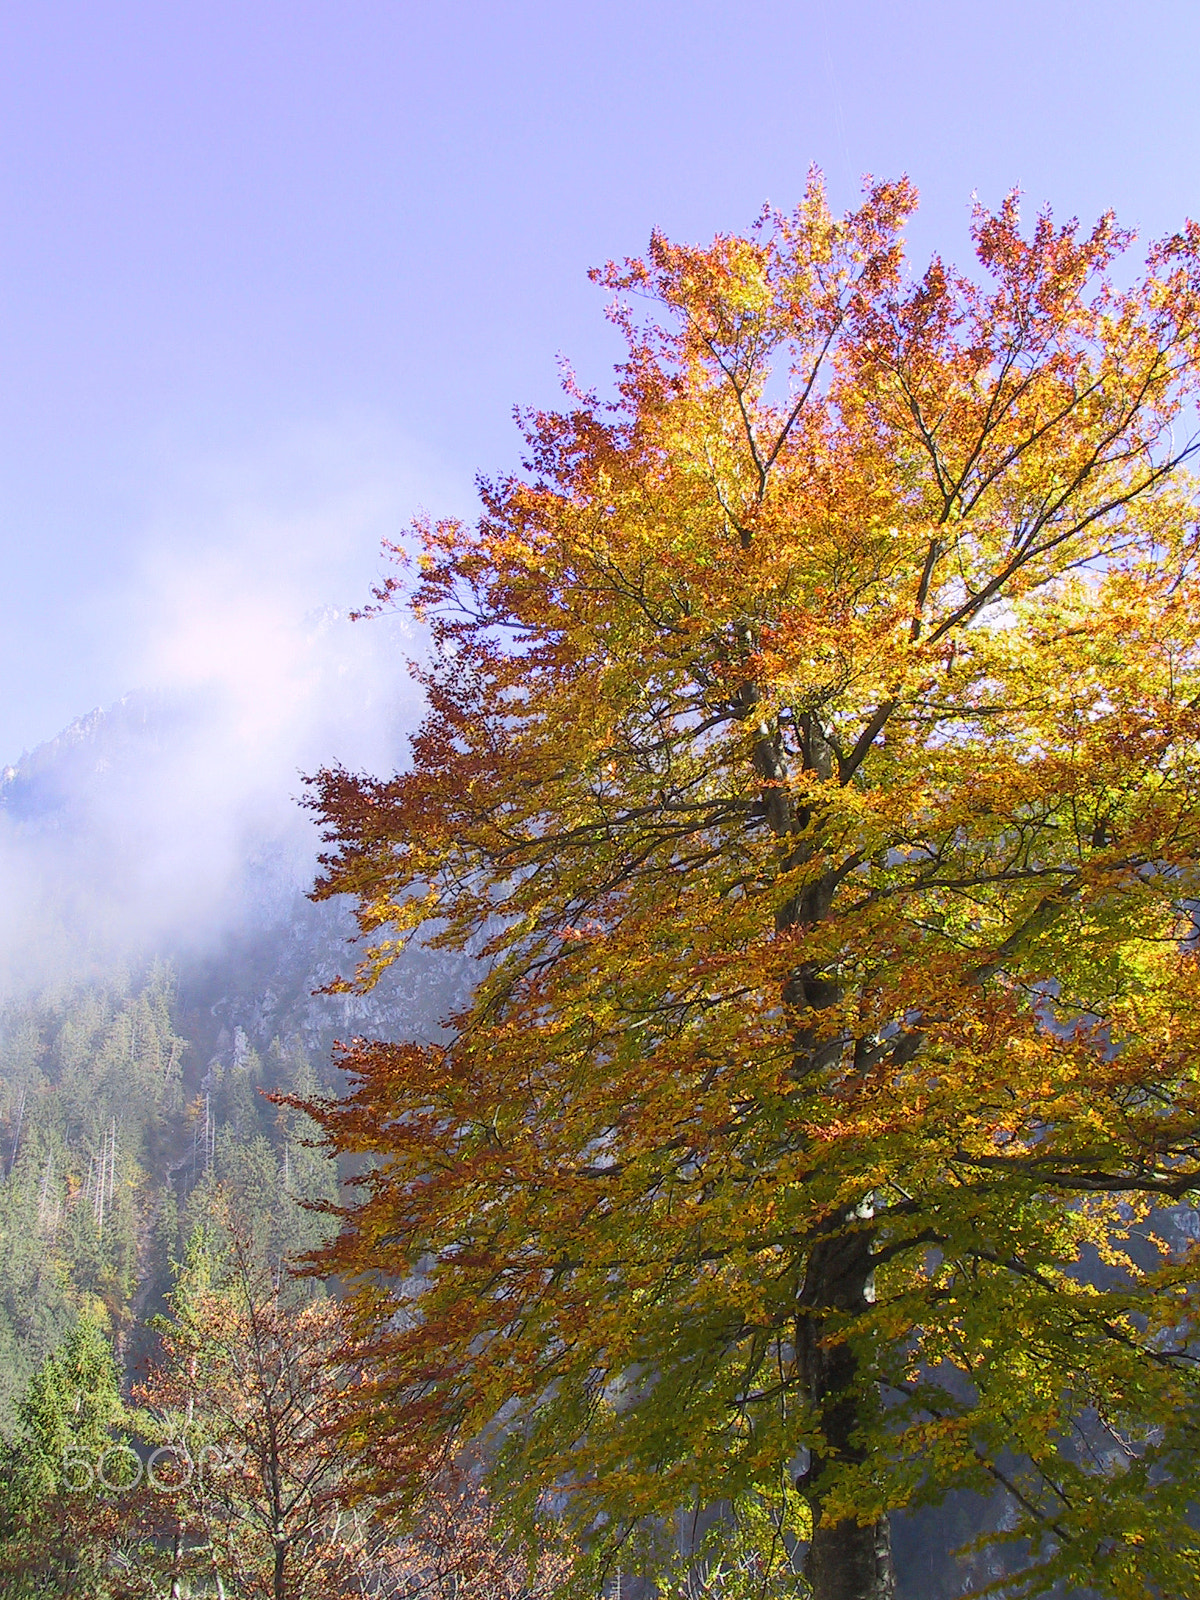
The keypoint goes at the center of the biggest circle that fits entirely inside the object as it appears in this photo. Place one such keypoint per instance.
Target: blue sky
(272, 276)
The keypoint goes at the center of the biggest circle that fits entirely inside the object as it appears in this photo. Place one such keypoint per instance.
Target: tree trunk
(845, 1561)
(848, 1562)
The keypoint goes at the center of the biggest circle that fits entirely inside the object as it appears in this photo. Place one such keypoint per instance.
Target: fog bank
(170, 818)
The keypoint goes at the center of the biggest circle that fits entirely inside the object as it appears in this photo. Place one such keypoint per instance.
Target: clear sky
(274, 274)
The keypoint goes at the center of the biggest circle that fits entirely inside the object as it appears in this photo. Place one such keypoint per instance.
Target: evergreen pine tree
(56, 1475)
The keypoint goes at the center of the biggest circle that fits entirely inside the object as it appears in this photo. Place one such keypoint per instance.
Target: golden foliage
(813, 763)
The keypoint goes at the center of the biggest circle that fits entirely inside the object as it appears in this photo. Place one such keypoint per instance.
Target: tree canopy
(812, 762)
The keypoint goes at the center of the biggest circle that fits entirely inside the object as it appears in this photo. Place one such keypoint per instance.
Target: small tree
(252, 1487)
(242, 1414)
(813, 761)
(57, 1514)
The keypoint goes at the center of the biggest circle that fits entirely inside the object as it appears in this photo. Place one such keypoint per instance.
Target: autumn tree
(812, 761)
(250, 1489)
(248, 1471)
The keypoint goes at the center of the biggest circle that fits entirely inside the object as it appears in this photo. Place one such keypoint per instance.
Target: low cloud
(172, 818)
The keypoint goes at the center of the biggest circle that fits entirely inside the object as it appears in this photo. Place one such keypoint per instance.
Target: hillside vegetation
(116, 1143)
